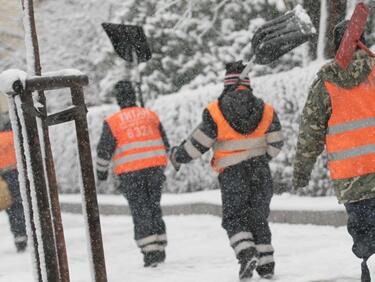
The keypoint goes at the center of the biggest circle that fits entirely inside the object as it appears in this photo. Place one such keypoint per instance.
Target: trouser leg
(246, 198)
(136, 192)
(259, 210)
(142, 204)
(361, 226)
(234, 221)
(155, 191)
(16, 212)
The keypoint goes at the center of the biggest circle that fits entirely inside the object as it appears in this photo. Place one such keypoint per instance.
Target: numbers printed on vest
(139, 131)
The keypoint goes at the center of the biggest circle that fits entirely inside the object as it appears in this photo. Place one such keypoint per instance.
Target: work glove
(300, 181)
(172, 157)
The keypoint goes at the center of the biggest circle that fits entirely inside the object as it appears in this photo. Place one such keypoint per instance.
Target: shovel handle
(246, 70)
(365, 48)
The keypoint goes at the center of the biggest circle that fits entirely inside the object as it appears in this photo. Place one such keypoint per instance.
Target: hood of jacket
(357, 71)
(242, 110)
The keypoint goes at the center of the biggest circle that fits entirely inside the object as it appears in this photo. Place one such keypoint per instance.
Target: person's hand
(172, 157)
(299, 181)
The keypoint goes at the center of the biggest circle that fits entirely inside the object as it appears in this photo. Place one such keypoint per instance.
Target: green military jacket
(314, 123)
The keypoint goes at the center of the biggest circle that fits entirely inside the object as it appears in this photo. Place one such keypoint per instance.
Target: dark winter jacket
(6, 126)
(243, 111)
(314, 123)
(107, 146)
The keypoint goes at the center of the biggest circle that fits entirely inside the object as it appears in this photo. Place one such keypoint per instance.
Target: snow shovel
(351, 39)
(279, 36)
(129, 42)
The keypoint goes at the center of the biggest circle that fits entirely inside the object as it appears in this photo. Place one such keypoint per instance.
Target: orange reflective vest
(232, 147)
(139, 142)
(7, 151)
(350, 140)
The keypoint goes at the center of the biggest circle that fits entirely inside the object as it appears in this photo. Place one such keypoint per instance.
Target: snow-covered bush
(181, 112)
(190, 41)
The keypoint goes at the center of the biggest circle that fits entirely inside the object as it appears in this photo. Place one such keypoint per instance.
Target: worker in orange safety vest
(134, 140)
(244, 133)
(339, 115)
(8, 172)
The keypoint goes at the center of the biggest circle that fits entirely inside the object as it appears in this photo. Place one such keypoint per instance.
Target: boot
(266, 271)
(160, 257)
(21, 244)
(248, 259)
(151, 259)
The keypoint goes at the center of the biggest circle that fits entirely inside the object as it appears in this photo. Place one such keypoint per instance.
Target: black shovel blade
(272, 50)
(126, 39)
(281, 35)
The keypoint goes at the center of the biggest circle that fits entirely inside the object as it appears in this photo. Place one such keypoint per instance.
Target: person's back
(139, 144)
(335, 92)
(339, 114)
(244, 134)
(134, 139)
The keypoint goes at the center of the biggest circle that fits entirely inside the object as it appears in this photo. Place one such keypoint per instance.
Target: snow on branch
(167, 6)
(213, 21)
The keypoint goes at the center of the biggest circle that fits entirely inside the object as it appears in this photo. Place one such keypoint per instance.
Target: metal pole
(90, 205)
(25, 186)
(31, 35)
(41, 193)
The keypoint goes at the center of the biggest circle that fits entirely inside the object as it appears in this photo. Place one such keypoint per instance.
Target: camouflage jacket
(314, 123)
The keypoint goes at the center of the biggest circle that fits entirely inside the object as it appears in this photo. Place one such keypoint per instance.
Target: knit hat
(125, 94)
(233, 71)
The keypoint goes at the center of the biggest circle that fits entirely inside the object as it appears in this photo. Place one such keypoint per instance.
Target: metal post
(90, 204)
(37, 170)
(35, 68)
(26, 196)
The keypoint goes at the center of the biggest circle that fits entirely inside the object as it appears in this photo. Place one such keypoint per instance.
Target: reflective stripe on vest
(232, 147)
(7, 151)
(350, 139)
(139, 144)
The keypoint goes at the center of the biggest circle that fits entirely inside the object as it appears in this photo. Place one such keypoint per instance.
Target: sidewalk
(285, 208)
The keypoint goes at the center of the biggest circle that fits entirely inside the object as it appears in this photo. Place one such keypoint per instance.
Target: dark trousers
(143, 191)
(361, 226)
(246, 191)
(15, 212)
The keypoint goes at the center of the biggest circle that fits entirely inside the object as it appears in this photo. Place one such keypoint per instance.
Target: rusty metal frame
(51, 231)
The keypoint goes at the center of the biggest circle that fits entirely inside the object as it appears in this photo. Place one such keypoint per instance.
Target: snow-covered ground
(198, 251)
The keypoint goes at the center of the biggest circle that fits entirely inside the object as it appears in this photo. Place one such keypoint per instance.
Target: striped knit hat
(233, 71)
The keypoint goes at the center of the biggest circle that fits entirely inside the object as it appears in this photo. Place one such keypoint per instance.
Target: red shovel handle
(365, 48)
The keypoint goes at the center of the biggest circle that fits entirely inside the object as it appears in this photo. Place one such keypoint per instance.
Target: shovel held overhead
(279, 36)
(130, 43)
(351, 40)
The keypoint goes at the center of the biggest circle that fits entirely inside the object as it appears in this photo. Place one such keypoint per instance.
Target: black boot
(150, 259)
(266, 271)
(21, 244)
(160, 257)
(248, 259)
